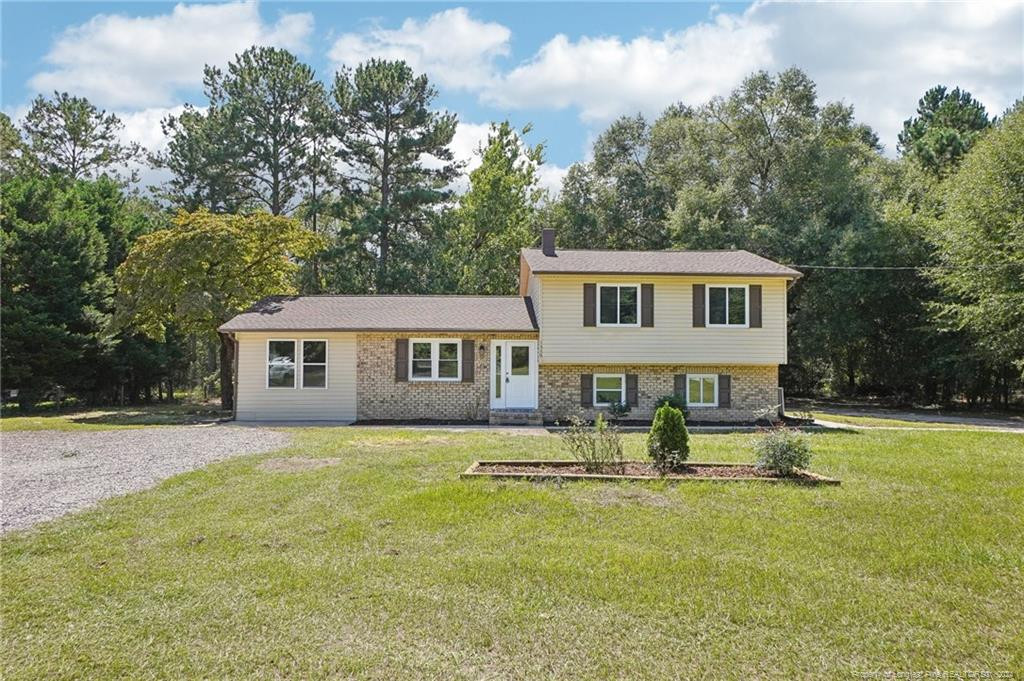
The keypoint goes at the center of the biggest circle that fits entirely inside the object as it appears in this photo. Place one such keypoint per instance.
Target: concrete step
(516, 417)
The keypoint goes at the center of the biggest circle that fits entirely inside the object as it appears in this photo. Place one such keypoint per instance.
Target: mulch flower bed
(637, 470)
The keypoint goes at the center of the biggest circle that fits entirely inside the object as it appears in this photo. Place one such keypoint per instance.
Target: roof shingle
(567, 261)
(386, 313)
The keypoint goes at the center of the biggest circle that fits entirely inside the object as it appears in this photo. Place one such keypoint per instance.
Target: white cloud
(125, 62)
(451, 47)
(550, 176)
(880, 57)
(606, 76)
(144, 127)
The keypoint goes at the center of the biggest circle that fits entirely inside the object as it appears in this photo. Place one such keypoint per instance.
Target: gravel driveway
(47, 473)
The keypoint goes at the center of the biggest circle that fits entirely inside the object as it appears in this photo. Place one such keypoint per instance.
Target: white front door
(513, 374)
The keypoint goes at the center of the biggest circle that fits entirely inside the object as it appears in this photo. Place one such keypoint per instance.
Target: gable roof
(735, 262)
(386, 313)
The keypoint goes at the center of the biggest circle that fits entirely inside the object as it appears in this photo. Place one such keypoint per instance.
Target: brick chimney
(547, 242)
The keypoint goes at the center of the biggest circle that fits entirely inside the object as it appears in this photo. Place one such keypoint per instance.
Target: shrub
(618, 410)
(782, 450)
(597, 448)
(672, 401)
(668, 443)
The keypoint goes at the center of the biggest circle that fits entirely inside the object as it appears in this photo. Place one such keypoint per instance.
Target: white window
(609, 389)
(702, 390)
(726, 306)
(314, 364)
(618, 305)
(280, 364)
(435, 359)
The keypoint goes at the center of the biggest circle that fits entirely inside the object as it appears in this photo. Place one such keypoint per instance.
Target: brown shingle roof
(567, 261)
(387, 313)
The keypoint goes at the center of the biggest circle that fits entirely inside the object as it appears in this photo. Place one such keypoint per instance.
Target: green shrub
(672, 401)
(597, 448)
(618, 410)
(782, 450)
(668, 443)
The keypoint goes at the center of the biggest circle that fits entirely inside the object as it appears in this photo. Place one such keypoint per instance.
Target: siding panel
(258, 403)
(673, 340)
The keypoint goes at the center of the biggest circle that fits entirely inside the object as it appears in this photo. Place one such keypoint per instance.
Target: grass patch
(385, 565)
(854, 420)
(106, 418)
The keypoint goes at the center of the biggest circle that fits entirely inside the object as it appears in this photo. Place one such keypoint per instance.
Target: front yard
(383, 564)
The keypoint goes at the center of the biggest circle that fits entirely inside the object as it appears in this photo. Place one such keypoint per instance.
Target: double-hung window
(281, 364)
(618, 305)
(314, 364)
(609, 389)
(702, 390)
(435, 360)
(727, 306)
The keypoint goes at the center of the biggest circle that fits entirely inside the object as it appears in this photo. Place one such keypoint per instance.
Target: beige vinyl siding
(672, 339)
(256, 402)
(535, 289)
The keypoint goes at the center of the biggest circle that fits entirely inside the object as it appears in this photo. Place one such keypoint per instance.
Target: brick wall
(753, 388)
(381, 397)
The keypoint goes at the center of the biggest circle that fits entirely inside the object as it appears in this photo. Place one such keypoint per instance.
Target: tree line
(284, 183)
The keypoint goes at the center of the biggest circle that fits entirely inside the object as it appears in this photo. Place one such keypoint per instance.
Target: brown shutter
(724, 390)
(679, 386)
(401, 359)
(698, 305)
(468, 360)
(646, 304)
(590, 305)
(631, 396)
(586, 390)
(755, 306)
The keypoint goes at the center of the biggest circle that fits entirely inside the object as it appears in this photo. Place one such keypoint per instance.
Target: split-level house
(589, 328)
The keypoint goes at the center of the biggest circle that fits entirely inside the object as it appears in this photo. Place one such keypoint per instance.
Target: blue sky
(567, 68)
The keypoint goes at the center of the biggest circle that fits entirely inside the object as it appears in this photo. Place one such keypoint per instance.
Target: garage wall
(256, 402)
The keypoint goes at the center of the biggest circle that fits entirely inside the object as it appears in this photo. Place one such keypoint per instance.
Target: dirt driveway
(47, 473)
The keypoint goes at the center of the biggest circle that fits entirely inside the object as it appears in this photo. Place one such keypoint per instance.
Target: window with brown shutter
(755, 306)
(468, 360)
(647, 305)
(401, 359)
(724, 390)
(590, 305)
(586, 390)
(698, 305)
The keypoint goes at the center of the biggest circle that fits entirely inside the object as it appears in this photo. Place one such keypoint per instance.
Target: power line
(908, 267)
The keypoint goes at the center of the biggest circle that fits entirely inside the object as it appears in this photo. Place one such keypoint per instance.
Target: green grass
(386, 565)
(107, 418)
(853, 420)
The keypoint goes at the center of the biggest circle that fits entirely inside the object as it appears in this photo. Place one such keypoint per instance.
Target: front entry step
(516, 417)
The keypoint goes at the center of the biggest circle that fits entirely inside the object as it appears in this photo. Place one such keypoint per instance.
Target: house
(589, 328)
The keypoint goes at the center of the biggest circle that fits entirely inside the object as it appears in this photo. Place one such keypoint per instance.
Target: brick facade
(381, 397)
(753, 388)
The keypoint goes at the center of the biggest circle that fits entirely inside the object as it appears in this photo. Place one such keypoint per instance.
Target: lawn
(385, 565)
(107, 418)
(877, 421)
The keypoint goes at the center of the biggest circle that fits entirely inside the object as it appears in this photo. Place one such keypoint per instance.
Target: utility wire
(920, 267)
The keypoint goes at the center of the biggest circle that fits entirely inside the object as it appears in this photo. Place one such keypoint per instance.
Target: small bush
(597, 448)
(782, 450)
(672, 401)
(668, 442)
(618, 410)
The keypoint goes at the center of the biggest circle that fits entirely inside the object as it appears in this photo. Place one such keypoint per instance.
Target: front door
(513, 374)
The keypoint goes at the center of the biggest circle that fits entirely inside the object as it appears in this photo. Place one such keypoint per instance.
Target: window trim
(618, 305)
(727, 325)
(622, 389)
(435, 357)
(701, 377)
(295, 365)
(325, 364)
